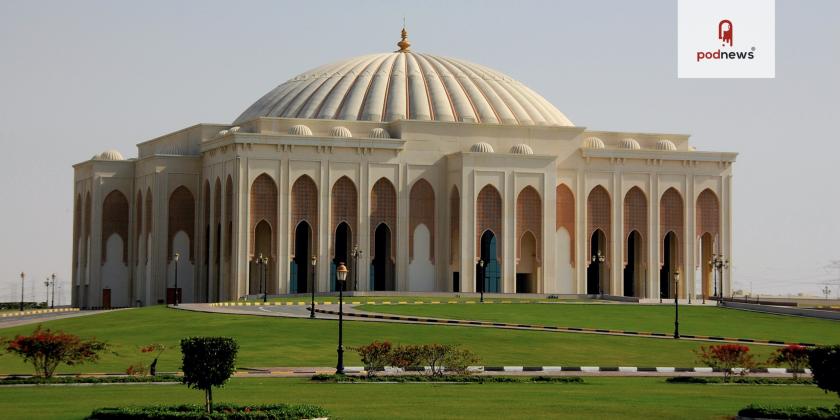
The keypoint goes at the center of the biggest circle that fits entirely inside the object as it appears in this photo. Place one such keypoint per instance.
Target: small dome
(692, 148)
(300, 130)
(593, 143)
(522, 149)
(234, 129)
(379, 133)
(109, 154)
(340, 132)
(665, 145)
(630, 144)
(481, 148)
(222, 133)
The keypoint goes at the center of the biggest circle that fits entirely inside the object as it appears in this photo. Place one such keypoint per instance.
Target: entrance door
(383, 267)
(303, 235)
(491, 283)
(106, 298)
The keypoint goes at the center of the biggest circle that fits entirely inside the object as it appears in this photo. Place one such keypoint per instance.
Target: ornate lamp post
(341, 277)
(177, 295)
(47, 298)
(356, 253)
(677, 303)
(718, 263)
(52, 303)
(264, 278)
(312, 288)
(483, 278)
(22, 275)
(599, 258)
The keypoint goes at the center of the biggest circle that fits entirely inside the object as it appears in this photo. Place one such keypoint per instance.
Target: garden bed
(220, 411)
(37, 380)
(741, 380)
(790, 413)
(460, 379)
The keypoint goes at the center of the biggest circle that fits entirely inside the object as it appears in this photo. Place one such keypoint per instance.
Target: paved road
(34, 319)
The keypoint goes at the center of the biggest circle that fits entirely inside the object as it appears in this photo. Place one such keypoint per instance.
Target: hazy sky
(83, 76)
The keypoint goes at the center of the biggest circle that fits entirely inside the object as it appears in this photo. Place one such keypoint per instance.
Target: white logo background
(754, 24)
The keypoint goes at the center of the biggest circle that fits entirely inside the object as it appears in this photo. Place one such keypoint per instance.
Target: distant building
(445, 175)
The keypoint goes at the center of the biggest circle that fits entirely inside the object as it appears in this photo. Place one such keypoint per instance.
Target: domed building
(422, 173)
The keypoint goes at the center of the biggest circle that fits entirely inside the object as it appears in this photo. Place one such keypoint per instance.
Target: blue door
(492, 271)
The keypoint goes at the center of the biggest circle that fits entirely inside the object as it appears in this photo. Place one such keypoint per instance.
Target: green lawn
(693, 319)
(267, 342)
(630, 398)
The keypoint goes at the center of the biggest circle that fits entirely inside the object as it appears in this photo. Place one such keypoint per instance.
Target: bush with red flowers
(727, 357)
(47, 349)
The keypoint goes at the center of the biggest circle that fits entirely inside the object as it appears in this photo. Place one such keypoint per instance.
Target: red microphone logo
(725, 32)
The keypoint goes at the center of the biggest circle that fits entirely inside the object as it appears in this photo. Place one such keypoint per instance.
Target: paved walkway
(330, 312)
(14, 321)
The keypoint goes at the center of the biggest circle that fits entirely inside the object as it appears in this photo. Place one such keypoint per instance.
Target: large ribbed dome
(406, 85)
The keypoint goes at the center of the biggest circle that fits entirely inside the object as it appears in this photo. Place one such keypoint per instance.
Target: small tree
(793, 356)
(158, 350)
(726, 357)
(208, 362)
(458, 360)
(825, 366)
(406, 356)
(46, 350)
(374, 355)
(433, 355)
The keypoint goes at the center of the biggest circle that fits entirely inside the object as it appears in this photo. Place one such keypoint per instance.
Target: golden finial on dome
(404, 44)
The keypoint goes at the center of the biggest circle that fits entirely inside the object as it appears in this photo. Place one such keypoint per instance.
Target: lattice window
(488, 209)
(454, 226)
(599, 216)
(421, 211)
(263, 206)
(383, 209)
(305, 208)
(529, 219)
(635, 218)
(115, 220)
(181, 218)
(344, 207)
(671, 220)
(708, 213)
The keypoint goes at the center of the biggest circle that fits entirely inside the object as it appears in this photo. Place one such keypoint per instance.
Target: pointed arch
(599, 217)
(635, 219)
(263, 206)
(147, 224)
(421, 211)
(708, 213)
(304, 201)
(138, 226)
(565, 217)
(115, 219)
(229, 219)
(488, 209)
(383, 209)
(77, 231)
(529, 219)
(344, 207)
(181, 219)
(671, 219)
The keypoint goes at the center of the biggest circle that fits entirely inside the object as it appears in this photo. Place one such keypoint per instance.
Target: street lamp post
(312, 288)
(52, 303)
(264, 278)
(177, 295)
(599, 258)
(47, 298)
(356, 253)
(718, 263)
(341, 277)
(483, 278)
(677, 304)
(22, 275)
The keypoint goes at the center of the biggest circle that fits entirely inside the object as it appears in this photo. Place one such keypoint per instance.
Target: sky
(84, 76)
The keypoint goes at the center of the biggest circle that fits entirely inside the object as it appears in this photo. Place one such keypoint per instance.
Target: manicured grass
(410, 299)
(628, 398)
(693, 319)
(270, 341)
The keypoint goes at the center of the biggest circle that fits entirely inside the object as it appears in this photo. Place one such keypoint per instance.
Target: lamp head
(314, 261)
(341, 272)
(177, 255)
(481, 263)
(22, 274)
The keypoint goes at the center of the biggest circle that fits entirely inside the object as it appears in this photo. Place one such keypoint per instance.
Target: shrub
(825, 366)
(450, 379)
(793, 413)
(375, 356)
(37, 380)
(46, 350)
(793, 356)
(726, 357)
(742, 380)
(406, 356)
(208, 362)
(459, 359)
(433, 355)
(221, 411)
(137, 369)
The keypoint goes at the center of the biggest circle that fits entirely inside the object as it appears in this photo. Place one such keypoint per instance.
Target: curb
(564, 329)
(37, 312)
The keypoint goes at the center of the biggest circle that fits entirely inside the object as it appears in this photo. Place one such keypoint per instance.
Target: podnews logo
(725, 34)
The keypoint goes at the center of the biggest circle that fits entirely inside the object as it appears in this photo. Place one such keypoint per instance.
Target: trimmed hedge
(790, 413)
(451, 379)
(741, 380)
(39, 380)
(221, 411)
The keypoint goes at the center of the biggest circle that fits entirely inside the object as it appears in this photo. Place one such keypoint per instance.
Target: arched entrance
(262, 246)
(596, 273)
(633, 272)
(526, 268)
(302, 268)
(706, 251)
(490, 283)
(666, 278)
(382, 264)
(342, 248)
